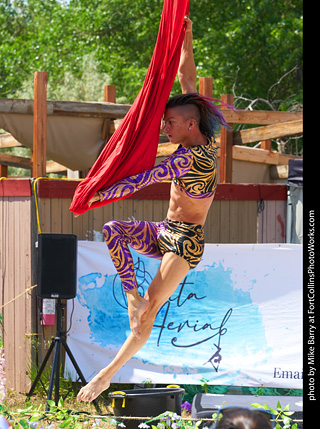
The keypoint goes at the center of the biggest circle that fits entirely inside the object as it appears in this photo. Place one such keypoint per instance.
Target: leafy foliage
(58, 416)
(280, 415)
(248, 42)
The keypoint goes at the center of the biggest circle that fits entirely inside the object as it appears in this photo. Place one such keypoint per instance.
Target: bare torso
(186, 209)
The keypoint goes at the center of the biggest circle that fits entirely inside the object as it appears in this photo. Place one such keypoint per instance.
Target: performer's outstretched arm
(187, 72)
(173, 166)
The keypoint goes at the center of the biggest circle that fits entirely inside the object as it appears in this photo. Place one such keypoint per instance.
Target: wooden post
(205, 86)
(266, 144)
(108, 126)
(226, 143)
(3, 170)
(39, 152)
(110, 93)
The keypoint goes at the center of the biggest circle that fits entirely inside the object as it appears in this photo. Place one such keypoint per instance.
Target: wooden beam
(114, 111)
(12, 187)
(254, 135)
(244, 153)
(23, 162)
(161, 191)
(226, 143)
(14, 161)
(240, 153)
(260, 117)
(67, 108)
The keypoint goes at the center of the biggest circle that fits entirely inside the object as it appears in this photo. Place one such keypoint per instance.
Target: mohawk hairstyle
(211, 118)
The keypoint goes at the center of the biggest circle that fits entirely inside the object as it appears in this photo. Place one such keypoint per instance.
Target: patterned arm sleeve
(175, 165)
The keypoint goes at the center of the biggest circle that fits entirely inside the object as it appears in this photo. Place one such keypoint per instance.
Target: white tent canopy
(76, 132)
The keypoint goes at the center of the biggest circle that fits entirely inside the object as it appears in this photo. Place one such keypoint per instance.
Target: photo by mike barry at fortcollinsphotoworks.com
(310, 310)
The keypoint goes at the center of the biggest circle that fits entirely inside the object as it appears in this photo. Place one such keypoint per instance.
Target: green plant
(33, 417)
(259, 391)
(204, 384)
(170, 420)
(281, 414)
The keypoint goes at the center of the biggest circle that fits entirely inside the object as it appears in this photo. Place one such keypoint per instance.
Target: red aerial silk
(132, 148)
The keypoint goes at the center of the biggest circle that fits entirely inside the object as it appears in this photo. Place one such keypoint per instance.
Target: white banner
(236, 319)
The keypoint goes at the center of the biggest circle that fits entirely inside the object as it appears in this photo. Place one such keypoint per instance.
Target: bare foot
(93, 389)
(136, 307)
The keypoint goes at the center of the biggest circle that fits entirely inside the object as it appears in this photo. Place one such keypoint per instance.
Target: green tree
(257, 41)
(9, 57)
(246, 44)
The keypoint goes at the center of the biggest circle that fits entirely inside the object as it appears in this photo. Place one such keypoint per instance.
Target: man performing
(190, 121)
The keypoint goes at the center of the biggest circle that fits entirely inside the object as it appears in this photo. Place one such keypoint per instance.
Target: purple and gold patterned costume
(193, 169)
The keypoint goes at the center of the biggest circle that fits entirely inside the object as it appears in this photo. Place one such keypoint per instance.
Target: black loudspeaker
(57, 266)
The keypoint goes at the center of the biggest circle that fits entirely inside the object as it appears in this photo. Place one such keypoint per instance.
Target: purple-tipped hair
(211, 118)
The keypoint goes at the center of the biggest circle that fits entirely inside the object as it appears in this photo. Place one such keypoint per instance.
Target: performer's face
(175, 125)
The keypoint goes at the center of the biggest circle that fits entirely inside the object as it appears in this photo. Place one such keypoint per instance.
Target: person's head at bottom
(243, 418)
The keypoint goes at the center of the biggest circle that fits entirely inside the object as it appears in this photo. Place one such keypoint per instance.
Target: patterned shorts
(152, 239)
(182, 238)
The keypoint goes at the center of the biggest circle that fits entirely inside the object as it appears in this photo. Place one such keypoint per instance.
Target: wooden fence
(16, 274)
(233, 218)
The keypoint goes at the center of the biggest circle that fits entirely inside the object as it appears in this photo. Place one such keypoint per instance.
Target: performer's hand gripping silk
(190, 121)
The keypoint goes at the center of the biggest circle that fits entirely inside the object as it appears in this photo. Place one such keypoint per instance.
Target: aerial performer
(190, 121)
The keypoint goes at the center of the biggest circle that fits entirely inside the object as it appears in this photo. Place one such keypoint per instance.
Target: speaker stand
(55, 347)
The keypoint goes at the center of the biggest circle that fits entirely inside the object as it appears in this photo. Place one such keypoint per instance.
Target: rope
(36, 198)
(18, 296)
(36, 202)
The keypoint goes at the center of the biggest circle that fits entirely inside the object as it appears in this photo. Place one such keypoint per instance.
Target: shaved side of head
(189, 111)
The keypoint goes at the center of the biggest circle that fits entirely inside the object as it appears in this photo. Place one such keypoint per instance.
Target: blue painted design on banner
(206, 320)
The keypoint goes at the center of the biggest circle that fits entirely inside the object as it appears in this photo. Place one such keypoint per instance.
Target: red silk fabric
(132, 148)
